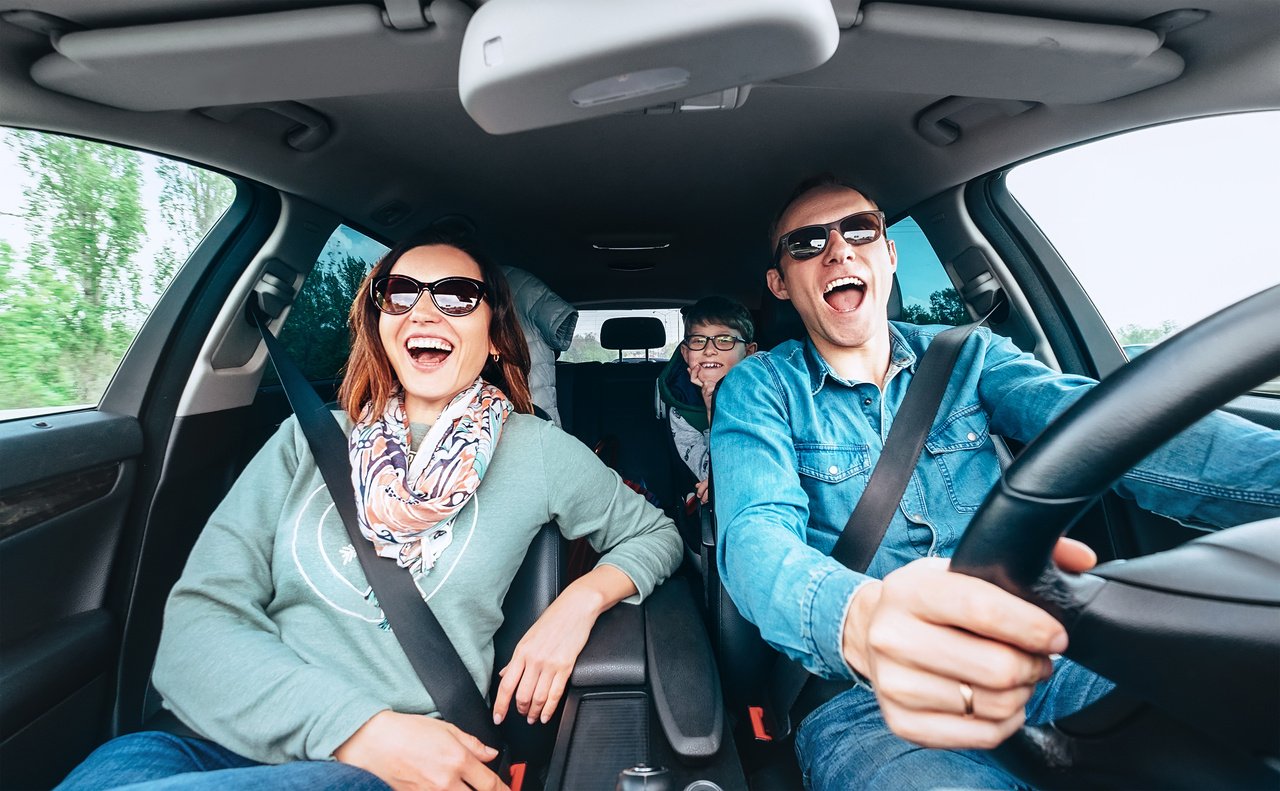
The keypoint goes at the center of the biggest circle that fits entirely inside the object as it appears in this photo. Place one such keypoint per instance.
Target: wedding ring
(966, 692)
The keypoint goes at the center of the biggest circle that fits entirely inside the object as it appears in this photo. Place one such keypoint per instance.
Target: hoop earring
(495, 357)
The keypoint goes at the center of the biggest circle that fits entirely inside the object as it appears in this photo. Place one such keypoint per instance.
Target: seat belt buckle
(515, 775)
(759, 728)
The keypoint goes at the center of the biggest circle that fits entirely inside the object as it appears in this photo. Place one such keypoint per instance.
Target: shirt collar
(900, 356)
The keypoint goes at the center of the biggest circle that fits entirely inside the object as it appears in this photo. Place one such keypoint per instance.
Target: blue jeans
(157, 761)
(845, 743)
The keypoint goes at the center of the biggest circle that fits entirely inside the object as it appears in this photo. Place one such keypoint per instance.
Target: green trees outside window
(90, 236)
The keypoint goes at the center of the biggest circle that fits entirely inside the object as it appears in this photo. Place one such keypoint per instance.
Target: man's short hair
(807, 185)
(720, 310)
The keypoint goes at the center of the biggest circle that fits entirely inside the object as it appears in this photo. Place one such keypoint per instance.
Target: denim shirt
(793, 446)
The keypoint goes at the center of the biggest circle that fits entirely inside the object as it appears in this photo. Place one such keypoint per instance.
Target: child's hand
(700, 489)
(708, 388)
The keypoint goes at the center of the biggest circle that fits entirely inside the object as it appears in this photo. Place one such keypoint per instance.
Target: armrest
(614, 654)
(682, 672)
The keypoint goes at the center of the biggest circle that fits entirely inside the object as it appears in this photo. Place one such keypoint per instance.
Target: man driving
(939, 660)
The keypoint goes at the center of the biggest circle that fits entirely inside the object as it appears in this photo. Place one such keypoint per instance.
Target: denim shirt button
(833, 469)
(867, 401)
(971, 436)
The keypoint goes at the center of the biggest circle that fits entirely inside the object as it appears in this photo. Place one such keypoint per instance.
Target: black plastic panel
(614, 655)
(50, 666)
(60, 567)
(35, 449)
(610, 733)
(682, 672)
(42, 753)
(1240, 565)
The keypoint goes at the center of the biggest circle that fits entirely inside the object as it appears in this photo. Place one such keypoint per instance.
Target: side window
(90, 237)
(586, 337)
(1163, 226)
(316, 333)
(927, 294)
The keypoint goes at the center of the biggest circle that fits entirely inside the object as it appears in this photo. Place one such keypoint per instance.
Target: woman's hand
(933, 643)
(412, 751)
(543, 660)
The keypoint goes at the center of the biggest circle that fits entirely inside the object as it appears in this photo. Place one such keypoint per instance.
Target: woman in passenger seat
(274, 650)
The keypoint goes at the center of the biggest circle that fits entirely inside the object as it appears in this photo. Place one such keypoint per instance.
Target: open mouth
(428, 352)
(710, 366)
(845, 294)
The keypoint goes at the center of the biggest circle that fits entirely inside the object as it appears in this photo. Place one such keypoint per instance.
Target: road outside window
(1163, 226)
(90, 236)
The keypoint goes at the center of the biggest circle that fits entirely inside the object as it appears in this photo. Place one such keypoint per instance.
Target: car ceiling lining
(289, 56)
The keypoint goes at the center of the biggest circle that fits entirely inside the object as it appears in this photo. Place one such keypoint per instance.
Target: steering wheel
(1191, 636)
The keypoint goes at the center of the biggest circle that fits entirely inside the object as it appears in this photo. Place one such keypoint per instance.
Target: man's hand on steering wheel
(953, 659)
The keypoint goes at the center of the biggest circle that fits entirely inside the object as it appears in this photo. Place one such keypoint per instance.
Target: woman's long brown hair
(370, 378)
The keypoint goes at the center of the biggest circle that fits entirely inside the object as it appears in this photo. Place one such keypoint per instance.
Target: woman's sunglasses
(453, 296)
(860, 228)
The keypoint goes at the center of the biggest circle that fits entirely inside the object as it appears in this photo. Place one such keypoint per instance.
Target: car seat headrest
(780, 322)
(633, 332)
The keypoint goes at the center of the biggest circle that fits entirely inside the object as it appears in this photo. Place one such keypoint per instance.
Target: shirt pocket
(833, 477)
(830, 463)
(964, 458)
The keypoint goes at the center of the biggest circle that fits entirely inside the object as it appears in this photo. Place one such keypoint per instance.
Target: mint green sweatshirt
(270, 647)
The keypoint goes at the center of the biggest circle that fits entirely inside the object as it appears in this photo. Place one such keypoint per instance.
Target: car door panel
(68, 480)
(78, 496)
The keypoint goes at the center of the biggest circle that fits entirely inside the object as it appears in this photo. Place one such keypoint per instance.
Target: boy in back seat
(718, 334)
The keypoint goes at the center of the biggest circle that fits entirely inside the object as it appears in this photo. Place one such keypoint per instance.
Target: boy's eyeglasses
(860, 228)
(453, 296)
(724, 343)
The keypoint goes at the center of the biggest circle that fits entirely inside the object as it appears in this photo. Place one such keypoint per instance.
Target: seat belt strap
(430, 652)
(870, 519)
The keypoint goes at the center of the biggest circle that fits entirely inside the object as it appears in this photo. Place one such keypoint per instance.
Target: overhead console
(292, 55)
(528, 65)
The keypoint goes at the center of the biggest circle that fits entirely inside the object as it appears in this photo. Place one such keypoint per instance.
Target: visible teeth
(843, 281)
(429, 343)
(711, 365)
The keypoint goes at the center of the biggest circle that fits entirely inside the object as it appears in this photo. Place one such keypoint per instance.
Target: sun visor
(527, 65)
(287, 55)
(951, 52)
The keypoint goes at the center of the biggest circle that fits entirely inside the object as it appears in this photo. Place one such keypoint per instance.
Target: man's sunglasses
(857, 229)
(453, 296)
(724, 343)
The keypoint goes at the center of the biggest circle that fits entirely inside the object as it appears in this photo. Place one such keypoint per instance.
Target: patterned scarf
(407, 502)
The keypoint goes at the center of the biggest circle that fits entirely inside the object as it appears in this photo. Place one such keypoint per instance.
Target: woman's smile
(435, 355)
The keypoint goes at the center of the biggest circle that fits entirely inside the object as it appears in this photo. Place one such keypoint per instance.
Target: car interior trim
(994, 56)
(232, 358)
(22, 508)
(255, 58)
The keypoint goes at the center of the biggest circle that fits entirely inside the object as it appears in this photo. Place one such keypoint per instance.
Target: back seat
(617, 400)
